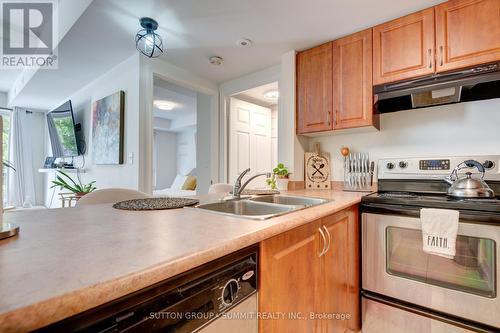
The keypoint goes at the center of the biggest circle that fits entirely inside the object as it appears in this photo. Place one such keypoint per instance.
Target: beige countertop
(65, 261)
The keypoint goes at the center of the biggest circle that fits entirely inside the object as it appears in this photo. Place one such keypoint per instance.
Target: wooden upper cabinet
(352, 81)
(467, 33)
(404, 48)
(314, 89)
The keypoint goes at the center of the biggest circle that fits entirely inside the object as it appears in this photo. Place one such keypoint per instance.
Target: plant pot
(78, 195)
(282, 184)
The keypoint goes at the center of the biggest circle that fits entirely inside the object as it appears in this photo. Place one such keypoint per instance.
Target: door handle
(329, 239)
(324, 242)
(441, 55)
(430, 58)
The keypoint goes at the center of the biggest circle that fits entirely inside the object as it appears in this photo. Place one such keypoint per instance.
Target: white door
(249, 140)
(274, 136)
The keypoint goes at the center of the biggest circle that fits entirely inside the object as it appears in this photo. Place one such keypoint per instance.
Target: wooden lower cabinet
(312, 293)
(340, 286)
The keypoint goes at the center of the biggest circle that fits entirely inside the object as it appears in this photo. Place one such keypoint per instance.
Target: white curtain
(21, 182)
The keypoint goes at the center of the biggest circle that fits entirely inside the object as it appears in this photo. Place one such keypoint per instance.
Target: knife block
(358, 172)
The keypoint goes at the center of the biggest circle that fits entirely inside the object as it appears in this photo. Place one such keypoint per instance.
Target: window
(5, 114)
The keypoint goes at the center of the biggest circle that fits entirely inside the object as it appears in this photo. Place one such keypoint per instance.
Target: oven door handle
(414, 211)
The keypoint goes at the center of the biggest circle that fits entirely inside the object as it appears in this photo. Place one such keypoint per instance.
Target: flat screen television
(62, 131)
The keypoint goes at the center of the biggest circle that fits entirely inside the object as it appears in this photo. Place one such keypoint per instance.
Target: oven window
(472, 270)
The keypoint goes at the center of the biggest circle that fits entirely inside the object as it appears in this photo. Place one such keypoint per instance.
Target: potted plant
(63, 180)
(279, 179)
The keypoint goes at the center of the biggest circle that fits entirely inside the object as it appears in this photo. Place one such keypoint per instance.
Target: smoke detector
(244, 42)
(216, 60)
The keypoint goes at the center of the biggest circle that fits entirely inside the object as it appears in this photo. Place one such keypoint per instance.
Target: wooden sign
(317, 167)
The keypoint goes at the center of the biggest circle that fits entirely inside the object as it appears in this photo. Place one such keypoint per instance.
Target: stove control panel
(434, 164)
(435, 167)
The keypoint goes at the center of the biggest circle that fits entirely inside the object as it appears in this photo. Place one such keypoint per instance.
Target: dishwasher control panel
(184, 303)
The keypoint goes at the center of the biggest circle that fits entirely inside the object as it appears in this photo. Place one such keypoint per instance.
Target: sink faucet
(238, 188)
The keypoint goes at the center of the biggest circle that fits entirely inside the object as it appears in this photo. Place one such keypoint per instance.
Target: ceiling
(256, 95)
(184, 100)
(194, 30)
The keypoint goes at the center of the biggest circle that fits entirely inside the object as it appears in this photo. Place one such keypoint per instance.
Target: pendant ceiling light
(147, 41)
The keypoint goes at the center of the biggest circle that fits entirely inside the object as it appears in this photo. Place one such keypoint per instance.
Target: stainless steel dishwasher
(220, 296)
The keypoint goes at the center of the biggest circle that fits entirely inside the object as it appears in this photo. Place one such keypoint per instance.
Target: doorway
(174, 139)
(252, 132)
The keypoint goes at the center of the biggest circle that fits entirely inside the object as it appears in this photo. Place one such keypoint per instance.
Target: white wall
(291, 147)
(124, 76)
(166, 158)
(3, 99)
(206, 153)
(186, 151)
(459, 129)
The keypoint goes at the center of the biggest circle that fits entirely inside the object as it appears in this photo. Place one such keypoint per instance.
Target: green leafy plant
(280, 171)
(8, 164)
(63, 180)
(272, 182)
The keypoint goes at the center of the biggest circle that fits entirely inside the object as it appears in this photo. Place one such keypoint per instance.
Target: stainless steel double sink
(261, 207)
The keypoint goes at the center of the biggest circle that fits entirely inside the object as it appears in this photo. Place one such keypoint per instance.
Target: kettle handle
(466, 164)
(472, 163)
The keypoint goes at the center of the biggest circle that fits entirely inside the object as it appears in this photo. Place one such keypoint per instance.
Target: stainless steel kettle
(468, 187)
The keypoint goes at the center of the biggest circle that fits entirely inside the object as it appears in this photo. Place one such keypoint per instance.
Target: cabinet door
(352, 81)
(289, 279)
(341, 272)
(404, 48)
(467, 33)
(314, 89)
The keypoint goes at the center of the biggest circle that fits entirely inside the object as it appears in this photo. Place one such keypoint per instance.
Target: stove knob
(229, 292)
(390, 165)
(488, 164)
(403, 164)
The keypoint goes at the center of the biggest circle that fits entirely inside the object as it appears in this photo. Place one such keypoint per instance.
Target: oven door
(395, 265)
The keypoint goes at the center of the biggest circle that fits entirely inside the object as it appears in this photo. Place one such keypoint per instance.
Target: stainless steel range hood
(472, 84)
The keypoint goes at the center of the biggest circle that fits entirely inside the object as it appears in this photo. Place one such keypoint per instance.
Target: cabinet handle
(328, 118)
(329, 239)
(324, 242)
(441, 55)
(430, 58)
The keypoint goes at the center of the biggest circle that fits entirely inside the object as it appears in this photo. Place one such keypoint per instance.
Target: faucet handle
(243, 173)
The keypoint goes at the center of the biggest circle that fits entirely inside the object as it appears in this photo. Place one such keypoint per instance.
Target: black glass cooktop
(433, 201)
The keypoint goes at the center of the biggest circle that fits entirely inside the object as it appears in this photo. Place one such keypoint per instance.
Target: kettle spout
(449, 180)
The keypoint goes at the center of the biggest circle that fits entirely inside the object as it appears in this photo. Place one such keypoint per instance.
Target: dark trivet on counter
(155, 203)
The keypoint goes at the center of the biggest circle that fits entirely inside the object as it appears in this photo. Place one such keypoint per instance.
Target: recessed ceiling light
(272, 94)
(164, 105)
(244, 42)
(216, 60)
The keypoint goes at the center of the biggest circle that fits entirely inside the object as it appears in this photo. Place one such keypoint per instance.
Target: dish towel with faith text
(439, 231)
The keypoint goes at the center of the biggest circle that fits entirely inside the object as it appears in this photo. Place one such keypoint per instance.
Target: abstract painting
(107, 129)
